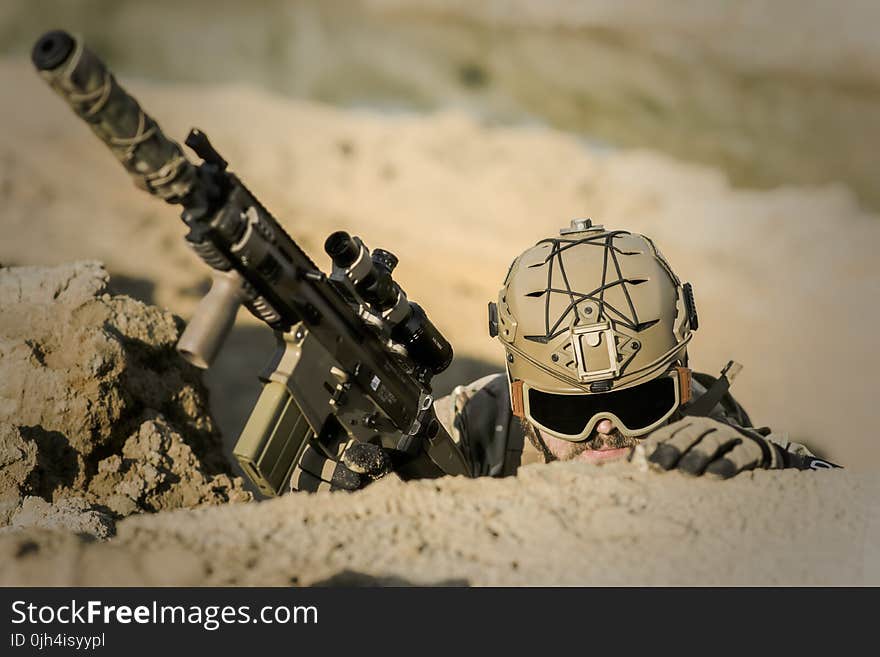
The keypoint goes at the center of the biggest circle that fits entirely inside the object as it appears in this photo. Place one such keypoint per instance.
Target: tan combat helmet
(593, 313)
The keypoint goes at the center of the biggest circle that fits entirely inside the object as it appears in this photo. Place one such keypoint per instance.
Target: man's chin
(602, 455)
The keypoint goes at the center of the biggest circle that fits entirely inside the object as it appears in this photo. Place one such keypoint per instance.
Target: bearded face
(605, 443)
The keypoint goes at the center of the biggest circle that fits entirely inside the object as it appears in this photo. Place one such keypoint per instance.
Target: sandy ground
(786, 280)
(561, 524)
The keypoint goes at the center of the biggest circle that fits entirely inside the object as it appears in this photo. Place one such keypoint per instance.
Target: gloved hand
(360, 464)
(698, 445)
(367, 462)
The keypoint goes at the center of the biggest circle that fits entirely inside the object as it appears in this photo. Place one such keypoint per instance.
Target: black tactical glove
(363, 462)
(360, 464)
(701, 445)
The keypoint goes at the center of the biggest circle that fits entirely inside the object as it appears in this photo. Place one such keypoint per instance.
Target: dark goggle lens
(637, 407)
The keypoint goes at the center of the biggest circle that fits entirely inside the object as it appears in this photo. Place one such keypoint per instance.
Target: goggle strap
(516, 399)
(684, 385)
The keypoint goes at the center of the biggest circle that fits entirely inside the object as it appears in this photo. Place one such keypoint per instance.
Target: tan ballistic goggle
(635, 411)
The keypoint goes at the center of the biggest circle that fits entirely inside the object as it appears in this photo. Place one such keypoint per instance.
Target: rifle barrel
(157, 164)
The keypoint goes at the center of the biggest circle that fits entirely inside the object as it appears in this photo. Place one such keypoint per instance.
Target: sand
(559, 524)
(99, 416)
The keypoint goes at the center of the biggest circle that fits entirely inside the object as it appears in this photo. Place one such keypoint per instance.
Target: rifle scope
(371, 277)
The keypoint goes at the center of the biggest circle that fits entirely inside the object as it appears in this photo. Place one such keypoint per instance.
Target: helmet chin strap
(537, 440)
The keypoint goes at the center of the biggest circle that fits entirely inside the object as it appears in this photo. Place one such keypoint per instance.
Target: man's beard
(536, 441)
(595, 441)
(599, 441)
(614, 440)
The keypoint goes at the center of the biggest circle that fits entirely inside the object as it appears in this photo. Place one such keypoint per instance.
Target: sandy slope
(786, 280)
(562, 524)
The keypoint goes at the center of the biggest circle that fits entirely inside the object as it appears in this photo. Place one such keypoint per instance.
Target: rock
(153, 458)
(18, 458)
(72, 514)
(96, 407)
(69, 284)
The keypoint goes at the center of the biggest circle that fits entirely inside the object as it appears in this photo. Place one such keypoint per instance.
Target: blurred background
(742, 136)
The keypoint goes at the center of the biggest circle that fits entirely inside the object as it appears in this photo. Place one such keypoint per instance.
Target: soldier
(595, 326)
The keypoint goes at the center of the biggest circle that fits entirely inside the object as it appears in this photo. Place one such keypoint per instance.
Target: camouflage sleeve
(789, 454)
(451, 414)
(796, 455)
(729, 411)
(479, 419)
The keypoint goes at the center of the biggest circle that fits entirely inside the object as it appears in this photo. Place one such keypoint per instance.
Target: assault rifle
(355, 357)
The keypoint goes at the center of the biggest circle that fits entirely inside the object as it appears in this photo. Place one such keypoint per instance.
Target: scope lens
(385, 259)
(341, 248)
